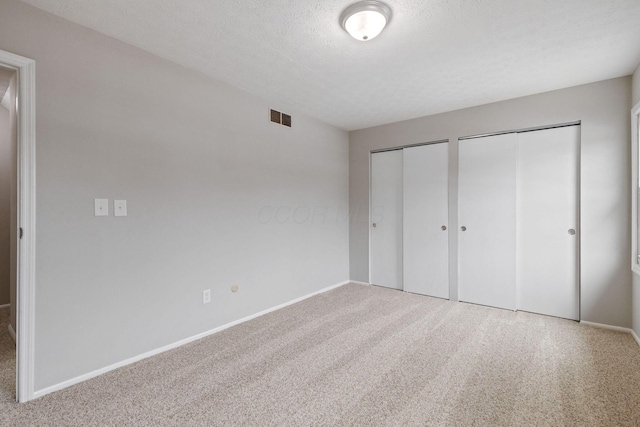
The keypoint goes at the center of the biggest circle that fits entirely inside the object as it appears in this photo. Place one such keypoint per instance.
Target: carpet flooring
(7, 360)
(367, 356)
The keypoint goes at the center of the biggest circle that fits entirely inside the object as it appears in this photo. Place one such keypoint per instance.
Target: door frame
(26, 215)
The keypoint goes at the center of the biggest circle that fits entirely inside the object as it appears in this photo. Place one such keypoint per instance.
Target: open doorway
(8, 232)
(20, 73)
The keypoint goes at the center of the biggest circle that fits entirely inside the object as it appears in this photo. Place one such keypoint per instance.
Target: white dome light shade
(366, 19)
(365, 25)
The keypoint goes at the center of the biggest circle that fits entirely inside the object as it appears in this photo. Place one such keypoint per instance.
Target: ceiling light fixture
(366, 19)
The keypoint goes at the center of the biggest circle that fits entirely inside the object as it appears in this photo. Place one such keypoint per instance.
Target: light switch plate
(101, 207)
(120, 208)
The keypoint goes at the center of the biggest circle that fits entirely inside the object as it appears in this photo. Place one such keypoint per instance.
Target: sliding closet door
(487, 220)
(547, 222)
(386, 219)
(425, 213)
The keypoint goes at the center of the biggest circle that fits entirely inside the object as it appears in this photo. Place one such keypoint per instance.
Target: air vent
(280, 118)
(275, 116)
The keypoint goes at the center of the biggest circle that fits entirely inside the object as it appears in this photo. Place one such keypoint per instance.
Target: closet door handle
(374, 225)
(572, 231)
(443, 228)
(463, 228)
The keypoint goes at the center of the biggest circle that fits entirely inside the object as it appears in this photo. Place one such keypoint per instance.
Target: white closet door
(425, 213)
(386, 219)
(486, 210)
(547, 222)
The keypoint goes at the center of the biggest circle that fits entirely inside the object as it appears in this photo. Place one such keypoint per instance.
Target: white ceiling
(435, 56)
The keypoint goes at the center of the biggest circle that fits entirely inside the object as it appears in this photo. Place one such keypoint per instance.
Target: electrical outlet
(206, 296)
(120, 208)
(101, 207)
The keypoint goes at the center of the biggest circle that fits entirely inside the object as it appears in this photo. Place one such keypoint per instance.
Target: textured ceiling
(435, 56)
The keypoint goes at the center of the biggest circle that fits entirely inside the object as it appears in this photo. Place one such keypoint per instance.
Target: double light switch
(102, 207)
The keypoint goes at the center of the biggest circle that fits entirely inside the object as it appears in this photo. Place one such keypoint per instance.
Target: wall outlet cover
(120, 208)
(101, 207)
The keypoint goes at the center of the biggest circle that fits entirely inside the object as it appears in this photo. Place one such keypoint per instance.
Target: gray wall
(603, 109)
(636, 279)
(5, 191)
(216, 195)
(636, 86)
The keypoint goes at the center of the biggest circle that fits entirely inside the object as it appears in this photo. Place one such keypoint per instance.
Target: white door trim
(635, 141)
(26, 113)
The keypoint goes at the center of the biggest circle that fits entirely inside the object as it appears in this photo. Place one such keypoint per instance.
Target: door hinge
(21, 233)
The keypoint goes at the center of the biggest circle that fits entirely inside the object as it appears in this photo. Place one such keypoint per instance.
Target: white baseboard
(4, 306)
(603, 326)
(359, 283)
(12, 333)
(612, 328)
(180, 343)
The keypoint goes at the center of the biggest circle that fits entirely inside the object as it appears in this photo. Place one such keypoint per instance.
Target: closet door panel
(547, 222)
(425, 213)
(486, 210)
(386, 219)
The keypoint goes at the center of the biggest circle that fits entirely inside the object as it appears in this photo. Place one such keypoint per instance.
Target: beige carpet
(368, 356)
(7, 360)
